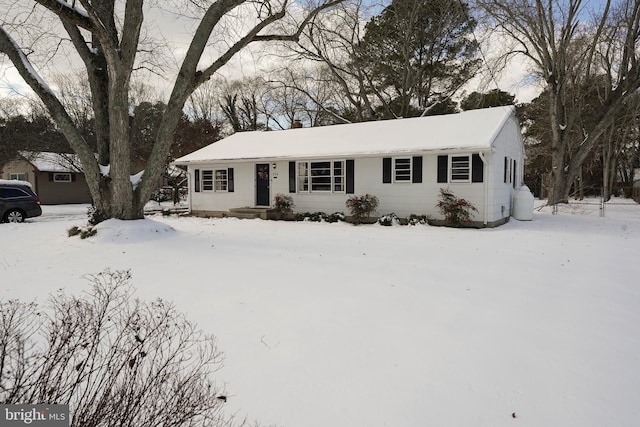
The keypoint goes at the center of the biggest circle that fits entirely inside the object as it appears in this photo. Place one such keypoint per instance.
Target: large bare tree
(574, 50)
(106, 36)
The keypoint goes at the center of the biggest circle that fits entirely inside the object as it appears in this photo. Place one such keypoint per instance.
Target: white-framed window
(327, 176)
(460, 168)
(61, 177)
(18, 176)
(320, 176)
(303, 176)
(510, 171)
(338, 176)
(402, 169)
(207, 180)
(215, 180)
(221, 180)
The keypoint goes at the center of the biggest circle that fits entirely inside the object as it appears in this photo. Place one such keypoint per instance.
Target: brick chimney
(297, 124)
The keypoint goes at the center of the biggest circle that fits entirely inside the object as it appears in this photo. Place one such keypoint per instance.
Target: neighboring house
(636, 185)
(477, 154)
(56, 178)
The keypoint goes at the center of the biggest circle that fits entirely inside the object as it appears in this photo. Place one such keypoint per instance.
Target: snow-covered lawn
(343, 326)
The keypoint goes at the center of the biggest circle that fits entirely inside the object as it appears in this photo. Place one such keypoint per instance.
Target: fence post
(602, 202)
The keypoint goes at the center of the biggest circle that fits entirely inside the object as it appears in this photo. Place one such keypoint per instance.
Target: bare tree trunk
(560, 184)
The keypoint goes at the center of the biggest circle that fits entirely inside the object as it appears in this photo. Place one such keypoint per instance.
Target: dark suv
(18, 201)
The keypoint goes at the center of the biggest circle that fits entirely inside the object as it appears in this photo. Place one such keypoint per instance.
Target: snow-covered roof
(52, 162)
(470, 130)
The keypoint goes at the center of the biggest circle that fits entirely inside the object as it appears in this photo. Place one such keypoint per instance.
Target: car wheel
(14, 215)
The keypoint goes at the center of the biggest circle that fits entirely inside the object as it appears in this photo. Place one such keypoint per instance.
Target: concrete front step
(249, 213)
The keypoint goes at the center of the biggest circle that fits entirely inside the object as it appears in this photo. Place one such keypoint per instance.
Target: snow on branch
(11, 48)
(68, 12)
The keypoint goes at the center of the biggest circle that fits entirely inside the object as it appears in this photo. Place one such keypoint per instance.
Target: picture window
(323, 176)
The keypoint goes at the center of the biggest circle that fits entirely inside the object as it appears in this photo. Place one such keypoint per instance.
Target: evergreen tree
(493, 98)
(418, 52)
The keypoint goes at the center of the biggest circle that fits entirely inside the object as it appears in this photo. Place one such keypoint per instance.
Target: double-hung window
(303, 176)
(218, 180)
(18, 176)
(402, 169)
(221, 180)
(338, 176)
(207, 180)
(323, 176)
(510, 171)
(460, 168)
(320, 176)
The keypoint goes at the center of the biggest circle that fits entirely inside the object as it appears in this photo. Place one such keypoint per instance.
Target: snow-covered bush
(83, 232)
(283, 204)
(362, 206)
(456, 211)
(335, 217)
(310, 216)
(389, 220)
(416, 219)
(319, 217)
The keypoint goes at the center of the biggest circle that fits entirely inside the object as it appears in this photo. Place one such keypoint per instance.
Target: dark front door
(262, 185)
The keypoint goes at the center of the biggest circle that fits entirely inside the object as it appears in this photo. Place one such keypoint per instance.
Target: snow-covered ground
(344, 326)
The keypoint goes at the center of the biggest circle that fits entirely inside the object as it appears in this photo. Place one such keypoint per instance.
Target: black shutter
(73, 177)
(417, 170)
(386, 170)
(506, 166)
(50, 176)
(515, 174)
(350, 169)
(230, 180)
(292, 177)
(477, 168)
(196, 179)
(443, 166)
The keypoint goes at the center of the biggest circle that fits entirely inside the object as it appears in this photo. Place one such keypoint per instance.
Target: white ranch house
(477, 154)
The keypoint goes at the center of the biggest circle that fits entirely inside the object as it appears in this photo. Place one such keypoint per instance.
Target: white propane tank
(523, 204)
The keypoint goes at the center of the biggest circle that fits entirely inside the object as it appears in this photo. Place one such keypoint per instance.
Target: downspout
(485, 180)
